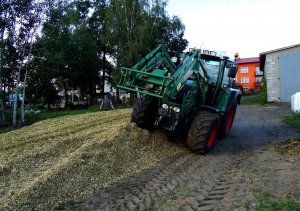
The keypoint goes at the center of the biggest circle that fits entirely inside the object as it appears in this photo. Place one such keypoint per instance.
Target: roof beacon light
(206, 52)
(213, 53)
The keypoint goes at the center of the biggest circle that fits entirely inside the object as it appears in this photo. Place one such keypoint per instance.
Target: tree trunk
(23, 100)
(17, 93)
(16, 97)
(15, 106)
(24, 82)
(66, 92)
(3, 121)
(103, 69)
(2, 92)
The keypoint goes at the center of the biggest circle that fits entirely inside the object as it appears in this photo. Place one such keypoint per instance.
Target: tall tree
(137, 26)
(69, 46)
(24, 83)
(100, 25)
(54, 45)
(79, 39)
(5, 23)
(129, 30)
(85, 61)
(23, 19)
(174, 31)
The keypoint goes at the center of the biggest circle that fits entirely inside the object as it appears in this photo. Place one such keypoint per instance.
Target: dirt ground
(246, 161)
(101, 161)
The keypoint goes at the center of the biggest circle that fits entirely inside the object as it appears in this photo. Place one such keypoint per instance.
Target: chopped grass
(266, 202)
(292, 120)
(64, 160)
(289, 147)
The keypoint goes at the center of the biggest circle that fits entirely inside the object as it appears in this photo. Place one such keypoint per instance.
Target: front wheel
(203, 132)
(144, 112)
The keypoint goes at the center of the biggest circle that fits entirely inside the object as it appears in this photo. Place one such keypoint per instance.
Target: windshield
(212, 68)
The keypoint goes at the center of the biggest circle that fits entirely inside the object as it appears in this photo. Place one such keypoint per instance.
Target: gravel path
(223, 179)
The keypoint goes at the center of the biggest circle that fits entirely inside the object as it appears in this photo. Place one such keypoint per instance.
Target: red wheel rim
(230, 120)
(212, 135)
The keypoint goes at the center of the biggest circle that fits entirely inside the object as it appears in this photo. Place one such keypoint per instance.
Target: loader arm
(156, 75)
(190, 68)
(150, 76)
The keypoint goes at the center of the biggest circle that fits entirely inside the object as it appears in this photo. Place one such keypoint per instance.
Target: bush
(264, 91)
(292, 120)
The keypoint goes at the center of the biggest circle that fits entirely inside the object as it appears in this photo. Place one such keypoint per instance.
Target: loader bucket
(152, 83)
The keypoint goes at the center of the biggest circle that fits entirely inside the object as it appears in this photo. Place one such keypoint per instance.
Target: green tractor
(189, 95)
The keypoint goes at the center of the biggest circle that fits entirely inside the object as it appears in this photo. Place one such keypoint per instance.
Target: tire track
(185, 182)
(138, 192)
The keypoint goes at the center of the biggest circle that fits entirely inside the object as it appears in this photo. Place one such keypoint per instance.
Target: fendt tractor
(189, 95)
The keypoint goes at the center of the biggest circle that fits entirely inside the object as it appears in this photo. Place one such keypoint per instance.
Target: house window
(257, 70)
(258, 79)
(244, 80)
(244, 69)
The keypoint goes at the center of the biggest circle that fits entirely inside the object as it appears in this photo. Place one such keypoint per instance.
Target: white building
(282, 72)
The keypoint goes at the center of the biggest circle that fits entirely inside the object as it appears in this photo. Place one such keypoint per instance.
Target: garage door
(289, 75)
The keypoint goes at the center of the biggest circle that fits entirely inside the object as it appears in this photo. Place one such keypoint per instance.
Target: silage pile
(290, 147)
(64, 160)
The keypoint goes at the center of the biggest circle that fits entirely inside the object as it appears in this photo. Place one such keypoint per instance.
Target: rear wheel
(203, 132)
(144, 112)
(227, 121)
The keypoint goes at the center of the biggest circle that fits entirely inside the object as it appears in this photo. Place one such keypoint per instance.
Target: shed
(281, 69)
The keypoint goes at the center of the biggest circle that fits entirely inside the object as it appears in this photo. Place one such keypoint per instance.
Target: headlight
(176, 109)
(165, 106)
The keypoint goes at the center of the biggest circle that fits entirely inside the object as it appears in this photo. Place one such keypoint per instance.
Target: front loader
(191, 96)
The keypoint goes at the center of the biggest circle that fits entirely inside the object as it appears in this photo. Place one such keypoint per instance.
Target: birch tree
(24, 19)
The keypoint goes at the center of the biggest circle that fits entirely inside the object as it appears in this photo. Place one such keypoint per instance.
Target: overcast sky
(244, 26)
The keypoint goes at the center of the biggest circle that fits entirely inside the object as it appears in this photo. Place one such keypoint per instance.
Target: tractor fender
(235, 95)
(227, 97)
(210, 108)
(234, 98)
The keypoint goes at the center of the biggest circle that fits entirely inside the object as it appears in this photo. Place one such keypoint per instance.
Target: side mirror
(232, 71)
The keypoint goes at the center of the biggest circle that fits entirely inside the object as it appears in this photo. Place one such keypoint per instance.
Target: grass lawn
(255, 99)
(292, 120)
(266, 202)
(31, 118)
(54, 114)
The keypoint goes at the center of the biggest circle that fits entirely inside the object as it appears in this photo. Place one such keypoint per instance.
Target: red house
(249, 74)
